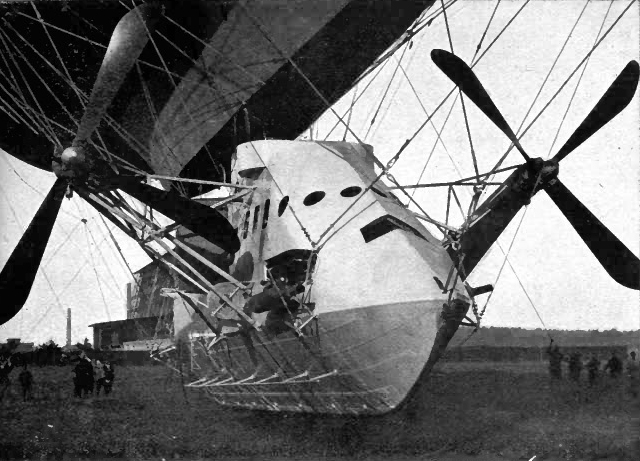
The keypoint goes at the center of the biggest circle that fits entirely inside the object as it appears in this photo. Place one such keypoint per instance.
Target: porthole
(313, 198)
(351, 191)
(245, 229)
(265, 213)
(283, 205)
(256, 214)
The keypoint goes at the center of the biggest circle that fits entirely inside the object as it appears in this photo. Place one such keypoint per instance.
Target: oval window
(283, 205)
(313, 198)
(265, 213)
(256, 213)
(351, 191)
(245, 229)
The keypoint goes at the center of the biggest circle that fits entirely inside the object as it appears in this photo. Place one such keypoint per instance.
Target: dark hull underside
(359, 361)
(283, 106)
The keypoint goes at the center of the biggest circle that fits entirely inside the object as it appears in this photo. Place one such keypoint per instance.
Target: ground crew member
(5, 369)
(555, 361)
(593, 369)
(99, 376)
(614, 365)
(575, 366)
(109, 376)
(633, 371)
(26, 381)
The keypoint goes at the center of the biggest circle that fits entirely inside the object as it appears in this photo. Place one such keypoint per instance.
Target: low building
(113, 335)
(15, 346)
(147, 344)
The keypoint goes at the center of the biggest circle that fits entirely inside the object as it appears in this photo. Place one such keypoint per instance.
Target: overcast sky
(82, 269)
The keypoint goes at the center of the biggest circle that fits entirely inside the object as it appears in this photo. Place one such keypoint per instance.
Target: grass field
(490, 411)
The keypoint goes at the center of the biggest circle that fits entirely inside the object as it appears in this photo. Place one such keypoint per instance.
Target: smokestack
(68, 327)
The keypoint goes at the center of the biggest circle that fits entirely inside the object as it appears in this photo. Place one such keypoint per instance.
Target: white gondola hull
(357, 361)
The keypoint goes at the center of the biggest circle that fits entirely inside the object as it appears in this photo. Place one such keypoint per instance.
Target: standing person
(5, 369)
(90, 380)
(26, 381)
(77, 379)
(575, 366)
(83, 380)
(109, 376)
(593, 369)
(614, 365)
(99, 375)
(555, 360)
(633, 371)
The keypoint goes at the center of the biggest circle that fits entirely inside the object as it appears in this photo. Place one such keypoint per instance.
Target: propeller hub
(73, 156)
(535, 175)
(71, 164)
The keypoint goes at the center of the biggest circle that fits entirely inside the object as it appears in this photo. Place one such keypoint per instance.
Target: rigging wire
(474, 61)
(395, 92)
(353, 101)
(99, 45)
(411, 32)
(126, 136)
(55, 49)
(575, 90)
(47, 128)
(318, 93)
(14, 85)
(21, 93)
(386, 91)
(179, 187)
(424, 109)
(113, 279)
(588, 55)
(337, 123)
(47, 87)
(95, 272)
(393, 160)
(13, 168)
(421, 127)
(506, 254)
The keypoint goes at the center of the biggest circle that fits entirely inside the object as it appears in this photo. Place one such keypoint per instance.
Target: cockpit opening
(385, 224)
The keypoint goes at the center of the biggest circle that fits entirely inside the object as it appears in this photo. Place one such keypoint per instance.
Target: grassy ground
(486, 410)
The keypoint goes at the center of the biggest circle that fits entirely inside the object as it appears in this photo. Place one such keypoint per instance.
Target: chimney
(68, 327)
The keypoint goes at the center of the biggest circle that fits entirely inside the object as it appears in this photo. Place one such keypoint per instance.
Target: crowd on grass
(614, 368)
(89, 377)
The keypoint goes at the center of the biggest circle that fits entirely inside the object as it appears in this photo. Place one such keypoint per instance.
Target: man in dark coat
(593, 369)
(26, 382)
(555, 361)
(109, 376)
(575, 366)
(614, 365)
(83, 380)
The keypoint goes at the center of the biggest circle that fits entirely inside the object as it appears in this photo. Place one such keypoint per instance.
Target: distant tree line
(525, 353)
(521, 337)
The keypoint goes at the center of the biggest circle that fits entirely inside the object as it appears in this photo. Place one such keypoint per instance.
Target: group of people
(614, 367)
(90, 375)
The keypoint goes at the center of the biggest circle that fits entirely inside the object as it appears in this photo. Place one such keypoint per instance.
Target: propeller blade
(462, 75)
(204, 221)
(20, 270)
(615, 257)
(127, 42)
(616, 98)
